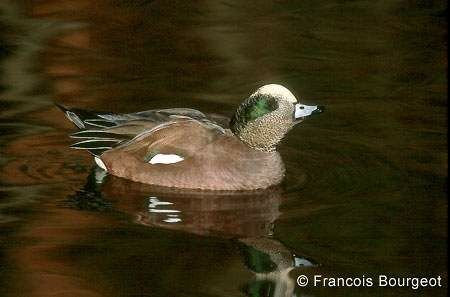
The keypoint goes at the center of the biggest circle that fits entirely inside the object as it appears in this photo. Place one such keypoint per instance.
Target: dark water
(365, 192)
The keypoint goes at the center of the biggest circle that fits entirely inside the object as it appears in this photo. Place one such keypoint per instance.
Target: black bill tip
(318, 110)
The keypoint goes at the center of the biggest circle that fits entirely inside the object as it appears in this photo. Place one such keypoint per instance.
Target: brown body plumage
(212, 159)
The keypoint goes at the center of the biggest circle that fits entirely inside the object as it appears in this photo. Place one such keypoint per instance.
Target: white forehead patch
(276, 91)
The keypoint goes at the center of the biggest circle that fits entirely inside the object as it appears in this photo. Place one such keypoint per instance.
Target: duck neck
(255, 139)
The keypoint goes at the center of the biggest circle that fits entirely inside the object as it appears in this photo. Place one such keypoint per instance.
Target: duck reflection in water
(246, 217)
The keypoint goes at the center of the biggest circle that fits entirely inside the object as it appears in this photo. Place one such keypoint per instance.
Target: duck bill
(302, 111)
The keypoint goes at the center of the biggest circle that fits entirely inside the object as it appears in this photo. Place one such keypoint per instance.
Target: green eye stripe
(258, 107)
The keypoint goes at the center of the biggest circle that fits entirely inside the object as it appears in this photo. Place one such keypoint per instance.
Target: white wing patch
(165, 159)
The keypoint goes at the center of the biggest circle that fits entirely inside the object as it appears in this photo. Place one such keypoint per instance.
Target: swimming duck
(185, 148)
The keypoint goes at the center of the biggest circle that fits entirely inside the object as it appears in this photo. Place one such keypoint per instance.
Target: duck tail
(72, 116)
(94, 135)
(85, 119)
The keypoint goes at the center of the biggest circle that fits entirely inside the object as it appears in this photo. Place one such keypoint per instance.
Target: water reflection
(226, 214)
(247, 218)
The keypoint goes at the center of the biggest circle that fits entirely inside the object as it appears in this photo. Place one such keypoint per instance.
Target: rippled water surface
(365, 192)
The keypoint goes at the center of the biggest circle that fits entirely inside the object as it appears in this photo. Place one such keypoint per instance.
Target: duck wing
(102, 131)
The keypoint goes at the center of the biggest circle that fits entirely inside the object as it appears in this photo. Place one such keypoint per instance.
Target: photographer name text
(382, 280)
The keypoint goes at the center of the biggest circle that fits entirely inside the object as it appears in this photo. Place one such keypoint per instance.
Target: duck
(185, 148)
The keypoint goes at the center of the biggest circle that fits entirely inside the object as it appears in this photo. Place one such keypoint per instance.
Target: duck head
(263, 119)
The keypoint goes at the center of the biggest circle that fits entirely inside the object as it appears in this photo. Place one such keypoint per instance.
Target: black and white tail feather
(93, 135)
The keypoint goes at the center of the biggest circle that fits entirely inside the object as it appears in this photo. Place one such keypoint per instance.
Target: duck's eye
(302, 107)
